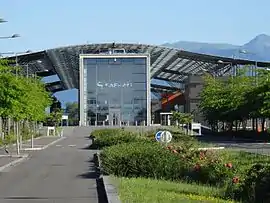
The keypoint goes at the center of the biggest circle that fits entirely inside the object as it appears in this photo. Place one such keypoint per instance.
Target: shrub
(205, 166)
(255, 187)
(107, 141)
(142, 159)
(105, 132)
(151, 160)
(11, 138)
(109, 137)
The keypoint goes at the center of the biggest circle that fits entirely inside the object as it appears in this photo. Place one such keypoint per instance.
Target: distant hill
(259, 48)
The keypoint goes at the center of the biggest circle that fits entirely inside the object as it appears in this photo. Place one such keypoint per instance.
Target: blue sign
(158, 135)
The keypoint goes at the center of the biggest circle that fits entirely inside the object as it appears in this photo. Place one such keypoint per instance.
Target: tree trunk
(17, 137)
(8, 125)
(263, 124)
(256, 121)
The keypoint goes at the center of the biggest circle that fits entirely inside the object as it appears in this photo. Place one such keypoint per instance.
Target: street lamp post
(35, 76)
(228, 63)
(27, 67)
(253, 73)
(16, 56)
(2, 20)
(10, 37)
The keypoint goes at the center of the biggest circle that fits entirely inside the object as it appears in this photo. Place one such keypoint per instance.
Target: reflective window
(116, 90)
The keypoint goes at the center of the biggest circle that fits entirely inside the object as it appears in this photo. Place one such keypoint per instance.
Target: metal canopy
(164, 88)
(54, 86)
(168, 64)
(36, 63)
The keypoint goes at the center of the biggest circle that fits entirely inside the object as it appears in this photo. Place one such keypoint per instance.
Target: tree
(21, 98)
(182, 118)
(237, 99)
(223, 100)
(72, 109)
(56, 105)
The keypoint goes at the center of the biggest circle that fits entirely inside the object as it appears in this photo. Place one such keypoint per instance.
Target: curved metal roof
(169, 64)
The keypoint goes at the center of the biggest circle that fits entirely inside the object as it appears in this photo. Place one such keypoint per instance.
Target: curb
(41, 148)
(32, 149)
(111, 194)
(111, 191)
(29, 140)
(15, 162)
(12, 155)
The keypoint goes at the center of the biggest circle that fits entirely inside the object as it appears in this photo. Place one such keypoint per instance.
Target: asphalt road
(261, 148)
(62, 173)
(238, 144)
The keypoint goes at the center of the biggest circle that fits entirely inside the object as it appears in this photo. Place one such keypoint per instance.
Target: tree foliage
(72, 109)
(236, 99)
(21, 98)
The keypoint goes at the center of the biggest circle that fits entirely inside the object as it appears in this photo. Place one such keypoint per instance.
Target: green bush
(142, 159)
(204, 166)
(109, 137)
(255, 187)
(107, 141)
(105, 132)
(151, 160)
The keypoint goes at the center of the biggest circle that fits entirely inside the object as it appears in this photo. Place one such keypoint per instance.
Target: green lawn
(139, 190)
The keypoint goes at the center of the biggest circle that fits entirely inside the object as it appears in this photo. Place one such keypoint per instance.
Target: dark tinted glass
(116, 88)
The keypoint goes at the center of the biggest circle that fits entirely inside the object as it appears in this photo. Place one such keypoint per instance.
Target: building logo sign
(114, 84)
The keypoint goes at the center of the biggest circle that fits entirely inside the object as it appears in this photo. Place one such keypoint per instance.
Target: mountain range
(256, 49)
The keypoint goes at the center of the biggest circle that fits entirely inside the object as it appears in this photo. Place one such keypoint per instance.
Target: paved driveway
(61, 173)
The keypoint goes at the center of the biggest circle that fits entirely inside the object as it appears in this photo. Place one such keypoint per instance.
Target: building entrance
(115, 117)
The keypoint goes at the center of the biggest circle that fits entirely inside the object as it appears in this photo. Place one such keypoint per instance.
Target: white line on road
(32, 149)
(54, 142)
(72, 145)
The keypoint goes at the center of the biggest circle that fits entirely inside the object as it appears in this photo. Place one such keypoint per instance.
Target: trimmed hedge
(105, 132)
(109, 137)
(141, 159)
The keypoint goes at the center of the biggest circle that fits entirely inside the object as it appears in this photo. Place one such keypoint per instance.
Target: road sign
(158, 135)
(166, 137)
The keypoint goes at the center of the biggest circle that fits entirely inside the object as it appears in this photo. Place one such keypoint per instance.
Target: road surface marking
(72, 145)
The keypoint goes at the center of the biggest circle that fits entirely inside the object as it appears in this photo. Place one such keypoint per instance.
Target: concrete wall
(193, 87)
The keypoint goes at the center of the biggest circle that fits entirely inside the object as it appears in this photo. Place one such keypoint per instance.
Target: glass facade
(115, 90)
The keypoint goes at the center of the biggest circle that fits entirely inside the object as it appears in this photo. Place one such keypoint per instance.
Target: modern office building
(115, 89)
(117, 81)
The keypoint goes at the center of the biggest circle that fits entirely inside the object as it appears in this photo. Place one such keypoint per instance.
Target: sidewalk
(11, 158)
(39, 143)
(8, 161)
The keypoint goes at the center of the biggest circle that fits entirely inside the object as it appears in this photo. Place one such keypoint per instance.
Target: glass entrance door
(114, 117)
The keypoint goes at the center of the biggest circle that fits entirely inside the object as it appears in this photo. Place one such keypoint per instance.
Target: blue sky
(54, 23)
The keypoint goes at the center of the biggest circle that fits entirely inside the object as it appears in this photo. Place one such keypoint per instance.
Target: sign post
(158, 136)
(163, 137)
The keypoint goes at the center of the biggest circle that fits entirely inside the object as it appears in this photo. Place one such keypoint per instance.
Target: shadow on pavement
(85, 148)
(94, 173)
(87, 137)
